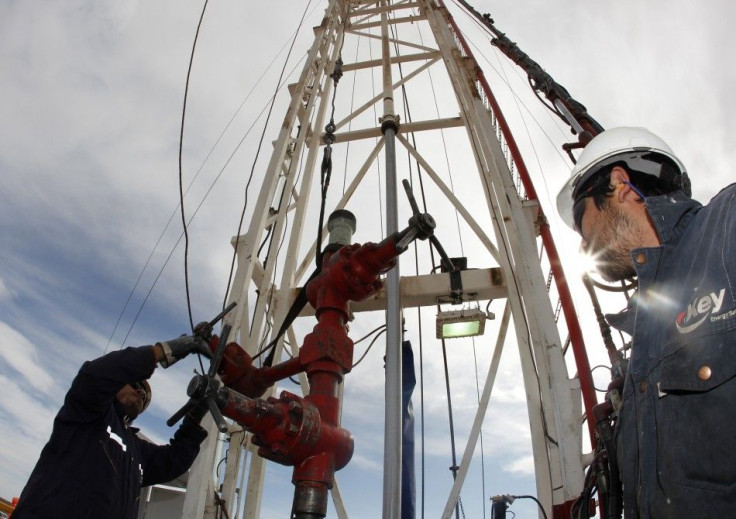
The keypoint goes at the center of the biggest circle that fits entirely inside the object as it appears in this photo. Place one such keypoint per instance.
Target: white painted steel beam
(419, 126)
(428, 290)
(395, 21)
(391, 40)
(420, 56)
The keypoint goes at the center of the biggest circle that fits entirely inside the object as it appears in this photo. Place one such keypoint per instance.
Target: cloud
(5, 292)
(523, 466)
(372, 464)
(23, 357)
(26, 424)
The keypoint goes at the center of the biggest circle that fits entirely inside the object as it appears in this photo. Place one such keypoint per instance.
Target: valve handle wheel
(204, 388)
(421, 226)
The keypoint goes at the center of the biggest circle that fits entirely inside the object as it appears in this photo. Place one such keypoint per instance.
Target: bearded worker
(629, 199)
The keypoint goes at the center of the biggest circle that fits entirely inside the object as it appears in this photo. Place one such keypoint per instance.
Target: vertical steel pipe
(392, 424)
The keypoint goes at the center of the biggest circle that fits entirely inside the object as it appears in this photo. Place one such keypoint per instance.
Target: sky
(89, 128)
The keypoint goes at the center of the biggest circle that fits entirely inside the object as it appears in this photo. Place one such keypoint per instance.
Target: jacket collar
(670, 213)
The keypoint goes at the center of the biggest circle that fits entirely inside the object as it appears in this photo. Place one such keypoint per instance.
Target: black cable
(326, 167)
(181, 183)
(282, 330)
(482, 450)
(369, 347)
(299, 302)
(454, 466)
(369, 334)
(536, 500)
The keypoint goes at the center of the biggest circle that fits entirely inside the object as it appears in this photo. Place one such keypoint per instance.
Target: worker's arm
(162, 463)
(100, 379)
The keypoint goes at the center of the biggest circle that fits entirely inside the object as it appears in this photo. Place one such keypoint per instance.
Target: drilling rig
(397, 52)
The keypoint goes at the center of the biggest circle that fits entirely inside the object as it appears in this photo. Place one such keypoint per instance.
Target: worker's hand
(204, 330)
(176, 349)
(196, 414)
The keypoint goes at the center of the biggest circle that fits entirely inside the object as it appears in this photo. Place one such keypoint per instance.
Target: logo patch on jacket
(700, 309)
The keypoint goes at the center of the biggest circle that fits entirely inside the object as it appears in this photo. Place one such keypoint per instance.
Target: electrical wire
(536, 501)
(181, 207)
(407, 112)
(453, 467)
(369, 347)
(181, 182)
(350, 123)
(482, 450)
(526, 127)
(378, 328)
(519, 102)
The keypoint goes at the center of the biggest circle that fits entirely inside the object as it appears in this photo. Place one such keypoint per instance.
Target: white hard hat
(637, 147)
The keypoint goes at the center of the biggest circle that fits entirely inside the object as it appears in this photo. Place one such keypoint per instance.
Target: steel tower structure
(504, 220)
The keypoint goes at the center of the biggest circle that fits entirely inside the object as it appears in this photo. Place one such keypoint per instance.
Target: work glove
(177, 349)
(196, 414)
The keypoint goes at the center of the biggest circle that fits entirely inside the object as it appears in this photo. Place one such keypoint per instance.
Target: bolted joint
(389, 121)
(328, 345)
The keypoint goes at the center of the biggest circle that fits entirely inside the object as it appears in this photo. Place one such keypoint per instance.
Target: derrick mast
(386, 130)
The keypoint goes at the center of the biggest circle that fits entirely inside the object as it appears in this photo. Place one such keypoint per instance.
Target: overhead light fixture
(453, 324)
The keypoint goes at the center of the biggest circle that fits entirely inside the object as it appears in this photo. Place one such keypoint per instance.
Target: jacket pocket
(701, 365)
(696, 416)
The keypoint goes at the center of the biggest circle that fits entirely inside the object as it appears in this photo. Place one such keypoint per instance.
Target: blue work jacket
(94, 464)
(676, 432)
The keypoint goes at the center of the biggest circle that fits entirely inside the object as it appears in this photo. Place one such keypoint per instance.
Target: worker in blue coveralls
(675, 433)
(94, 464)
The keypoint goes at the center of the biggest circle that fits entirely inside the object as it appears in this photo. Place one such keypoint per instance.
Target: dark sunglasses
(578, 207)
(139, 386)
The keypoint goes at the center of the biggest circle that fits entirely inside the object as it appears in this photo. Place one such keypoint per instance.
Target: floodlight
(452, 324)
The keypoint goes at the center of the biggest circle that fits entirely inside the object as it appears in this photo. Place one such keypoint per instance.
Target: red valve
(290, 430)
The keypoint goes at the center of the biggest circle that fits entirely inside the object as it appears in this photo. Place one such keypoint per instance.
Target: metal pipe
(392, 427)
(392, 424)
